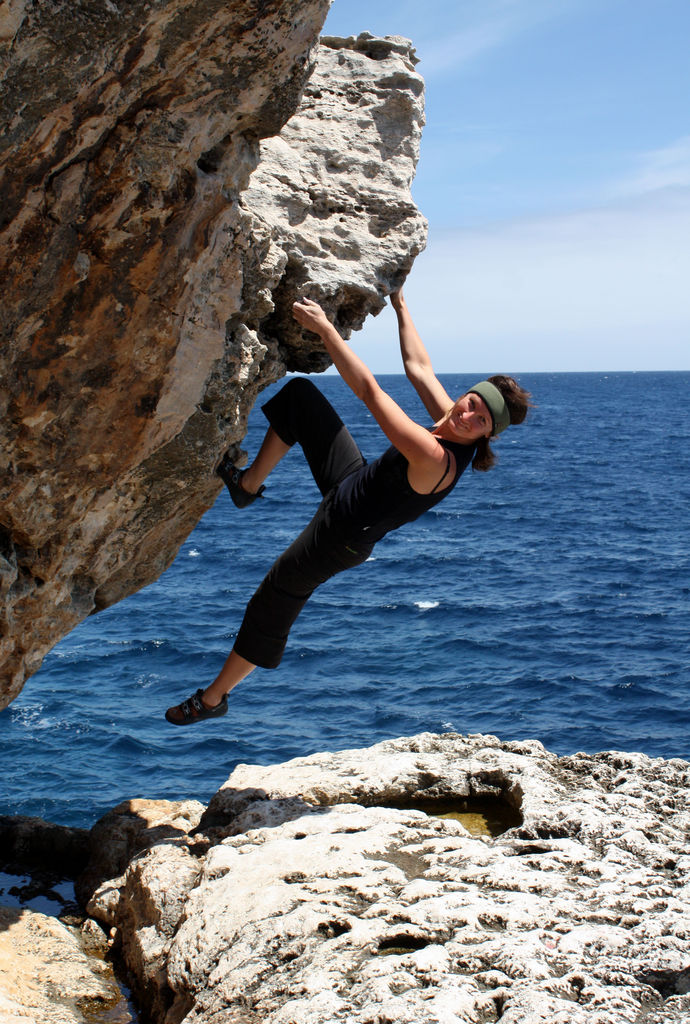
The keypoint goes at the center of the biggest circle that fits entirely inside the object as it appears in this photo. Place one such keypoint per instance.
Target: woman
(361, 502)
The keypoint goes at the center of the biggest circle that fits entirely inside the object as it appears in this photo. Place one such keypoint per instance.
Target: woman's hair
(518, 402)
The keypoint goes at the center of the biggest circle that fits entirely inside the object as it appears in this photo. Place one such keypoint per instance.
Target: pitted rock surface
(340, 209)
(149, 274)
(314, 892)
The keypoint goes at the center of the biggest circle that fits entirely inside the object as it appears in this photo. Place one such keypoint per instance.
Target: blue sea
(547, 599)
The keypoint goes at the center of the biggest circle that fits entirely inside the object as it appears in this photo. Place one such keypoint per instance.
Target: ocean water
(547, 599)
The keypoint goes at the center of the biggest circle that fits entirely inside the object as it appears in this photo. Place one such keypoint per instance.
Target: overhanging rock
(152, 246)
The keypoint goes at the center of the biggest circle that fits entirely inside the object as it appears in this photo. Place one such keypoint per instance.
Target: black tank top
(377, 497)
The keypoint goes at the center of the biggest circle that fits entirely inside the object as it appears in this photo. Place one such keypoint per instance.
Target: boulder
(47, 977)
(347, 887)
(151, 246)
(132, 826)
(35, 843)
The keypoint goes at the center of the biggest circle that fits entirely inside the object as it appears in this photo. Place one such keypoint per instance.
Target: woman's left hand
(309, 314)
(397, 300)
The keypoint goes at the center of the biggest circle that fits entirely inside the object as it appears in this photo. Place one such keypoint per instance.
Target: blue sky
(555, 175)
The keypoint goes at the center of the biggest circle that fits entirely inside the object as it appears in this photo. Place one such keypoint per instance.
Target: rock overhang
(156, 244)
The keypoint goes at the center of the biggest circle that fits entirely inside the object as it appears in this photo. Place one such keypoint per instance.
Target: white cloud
(668, 167)
(598, 289)
(488, 25)
(447, 54)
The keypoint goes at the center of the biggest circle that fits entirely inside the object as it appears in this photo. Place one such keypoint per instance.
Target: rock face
(340, 208)
(148, 272)
(327, 890)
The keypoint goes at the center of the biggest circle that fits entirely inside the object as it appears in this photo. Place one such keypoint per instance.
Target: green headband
(495, 403)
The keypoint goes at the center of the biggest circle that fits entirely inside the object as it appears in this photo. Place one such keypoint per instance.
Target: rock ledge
(311, 892)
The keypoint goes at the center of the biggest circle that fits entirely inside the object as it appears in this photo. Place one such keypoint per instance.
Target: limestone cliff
(151, 245)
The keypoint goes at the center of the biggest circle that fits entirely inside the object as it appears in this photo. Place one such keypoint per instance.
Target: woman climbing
(361, 501)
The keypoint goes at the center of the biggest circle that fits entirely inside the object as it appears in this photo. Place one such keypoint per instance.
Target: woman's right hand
(309, 314)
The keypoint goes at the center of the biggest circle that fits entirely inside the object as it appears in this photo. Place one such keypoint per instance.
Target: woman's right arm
(418, 368)
(424, 453)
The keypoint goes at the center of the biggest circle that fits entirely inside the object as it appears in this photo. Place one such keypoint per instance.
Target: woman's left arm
(421, 449)
(417, 363)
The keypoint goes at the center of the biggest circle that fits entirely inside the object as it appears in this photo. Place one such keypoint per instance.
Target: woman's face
(467, 421)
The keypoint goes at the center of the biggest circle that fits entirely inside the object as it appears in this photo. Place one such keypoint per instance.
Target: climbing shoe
(231, 477)
(194, 710)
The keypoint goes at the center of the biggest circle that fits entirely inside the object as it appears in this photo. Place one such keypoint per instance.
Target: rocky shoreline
(54, 964)
(345, 887)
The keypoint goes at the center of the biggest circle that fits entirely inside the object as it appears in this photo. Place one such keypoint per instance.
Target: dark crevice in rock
(211, 161)
(396, 945)
(530, 849)
(666, 982)
(332, 929)
(549, 830)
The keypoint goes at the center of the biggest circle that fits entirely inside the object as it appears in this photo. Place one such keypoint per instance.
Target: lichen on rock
(151, 246)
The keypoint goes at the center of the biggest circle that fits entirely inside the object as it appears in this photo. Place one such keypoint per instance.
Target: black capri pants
(300, 414)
